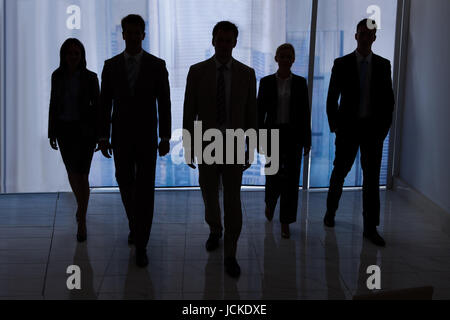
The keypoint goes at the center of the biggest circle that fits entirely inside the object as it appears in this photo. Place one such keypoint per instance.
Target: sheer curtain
(184, 31)
(177, 31)
(336, 28)
(2, 94)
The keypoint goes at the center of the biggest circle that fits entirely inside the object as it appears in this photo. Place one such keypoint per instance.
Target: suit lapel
(141, 73)
(354, 73)
(211, 78)
(206, 81)
(210, 88)
(355, 70)
(374, 73)
(235, 90)
(84, 94)
(292, 99)
(123, 76)
(274, 98)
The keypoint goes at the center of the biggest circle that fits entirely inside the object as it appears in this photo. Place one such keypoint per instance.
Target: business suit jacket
(134, 134)
(200, 97)
(344, 83)
(293, 138)
(135, 117)
(299, 108)
(200, 103)
(88, 102)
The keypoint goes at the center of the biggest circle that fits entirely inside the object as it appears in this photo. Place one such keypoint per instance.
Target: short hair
(133, 19)
(65, 48)
(225, 26)
(287, 46)
(368, 23)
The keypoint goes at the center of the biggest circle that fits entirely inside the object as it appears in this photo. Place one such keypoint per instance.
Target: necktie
(363, 74)
(221, 97)
(132, 72)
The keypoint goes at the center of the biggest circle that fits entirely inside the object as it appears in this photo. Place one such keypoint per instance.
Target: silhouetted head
(224, 40)
(285, 56)
(133, 32)
(366, 35)
(72, 55)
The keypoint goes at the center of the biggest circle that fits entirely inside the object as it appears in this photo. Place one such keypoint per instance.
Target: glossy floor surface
(38, 244)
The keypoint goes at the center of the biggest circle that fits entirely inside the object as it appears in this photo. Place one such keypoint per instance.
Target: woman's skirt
(76, 146)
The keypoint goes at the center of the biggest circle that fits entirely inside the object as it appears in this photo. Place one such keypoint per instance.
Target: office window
(180, 33)
(336, 27)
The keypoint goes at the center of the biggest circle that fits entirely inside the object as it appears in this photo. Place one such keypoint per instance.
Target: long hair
(63, 52)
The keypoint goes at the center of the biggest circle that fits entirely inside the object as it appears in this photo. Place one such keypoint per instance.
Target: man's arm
(164, 110)
(261, 109)
(334, 92)
(251, 115)
(164, 104)
(261, 102)
(104, 112)
(189, 116)
(105, 107)
(389, 101)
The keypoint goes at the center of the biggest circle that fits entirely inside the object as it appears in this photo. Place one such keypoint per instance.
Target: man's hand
(164, 147)
(306, 150)
(247, 161)
(53, 143)
(192, 162)
(105, 147)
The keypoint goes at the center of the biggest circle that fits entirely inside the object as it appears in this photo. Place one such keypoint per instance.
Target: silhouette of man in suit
(133, 82)
(362, 118)
(221, 92)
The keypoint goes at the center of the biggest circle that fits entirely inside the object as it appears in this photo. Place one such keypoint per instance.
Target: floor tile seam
(107, 265)
(51, 244)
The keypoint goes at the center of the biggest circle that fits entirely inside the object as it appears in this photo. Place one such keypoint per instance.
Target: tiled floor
(37, 244)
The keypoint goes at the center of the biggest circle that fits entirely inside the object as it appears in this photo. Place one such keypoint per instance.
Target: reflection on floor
(37, 244)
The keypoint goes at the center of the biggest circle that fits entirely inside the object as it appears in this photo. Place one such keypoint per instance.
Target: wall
(425, 149)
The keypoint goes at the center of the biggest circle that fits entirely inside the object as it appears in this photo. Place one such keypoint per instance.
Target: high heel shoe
(285, 233)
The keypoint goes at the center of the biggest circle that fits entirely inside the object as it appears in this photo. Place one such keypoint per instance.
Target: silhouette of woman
(283, 104)
(72, 122)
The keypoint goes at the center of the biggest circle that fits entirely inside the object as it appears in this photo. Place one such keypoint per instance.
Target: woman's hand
(53, 143)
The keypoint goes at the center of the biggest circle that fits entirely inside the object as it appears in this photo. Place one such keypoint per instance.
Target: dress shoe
(269, 213)
(130, 238)
(328, 220)
(285, 233)
(141, 258)
(82, 232)
(373, 236)
(213, 241)
(232, 267)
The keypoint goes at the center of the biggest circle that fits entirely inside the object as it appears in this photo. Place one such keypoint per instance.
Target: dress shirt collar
(361, 58)
(219, 64)
(138, 56)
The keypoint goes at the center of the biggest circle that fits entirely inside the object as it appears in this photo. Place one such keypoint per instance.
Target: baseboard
(433, 210)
